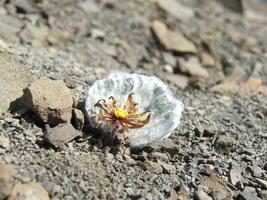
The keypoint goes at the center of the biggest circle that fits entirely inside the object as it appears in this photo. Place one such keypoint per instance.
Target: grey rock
(4, 143)
(169, 58)
(261, 182)
(235, 175)
(176, 9)
(89, 6)
(6, 181)
(168, 168)
(219, 189)
(61, 134)
(153, 167)
(223, 143)
(263, 194)
(201, 195)
(172, 40)
(34, 35)
(14, 77)
(50, 99)
(193, 67)
(77, 119)
(247, 196)
(24, 6)
(178, 80)
(30, 191)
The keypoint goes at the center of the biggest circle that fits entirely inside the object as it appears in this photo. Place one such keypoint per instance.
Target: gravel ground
(223, 134)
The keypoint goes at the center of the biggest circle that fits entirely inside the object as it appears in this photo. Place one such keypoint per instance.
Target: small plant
(139, 107)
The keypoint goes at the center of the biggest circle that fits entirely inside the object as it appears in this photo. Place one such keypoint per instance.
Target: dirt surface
(219, 151)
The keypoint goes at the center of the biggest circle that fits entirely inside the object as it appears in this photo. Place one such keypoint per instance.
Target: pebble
(153, 167)
(4, 143)
(176, 9)
(261, 182)
(207, 60)
(247, 196)
(201, 195)
(172, 40)
(219, 188)
(178, 80)
(77, 119)
(61, 134)
(193, 67)
(224, 143)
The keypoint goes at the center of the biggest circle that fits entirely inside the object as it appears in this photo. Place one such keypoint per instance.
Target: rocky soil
(213, 55)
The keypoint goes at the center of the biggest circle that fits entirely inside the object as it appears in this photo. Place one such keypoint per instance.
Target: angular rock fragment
(235, 176)
(61, 134)
(6, 181)
(172, 40)
(180, 81)
(247, 196)
(201, 195)
(51, 100)
(252, 85)
(4, 144)
(77, 119)
(175, 9)
(30, 191)
(34, 35)
(13, 79)
(216, 187)
(207, 60)
(193, 67)
(153, 167)
(262, 183)
(223, 143)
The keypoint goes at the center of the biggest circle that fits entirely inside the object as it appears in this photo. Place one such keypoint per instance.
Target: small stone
(263, 194)
(175, 9)
(169, 59)
(70, 82)
(13, 79)
(88, 6)
(172, 40)
(184, 190)
(247, 196)
(168, 68)
(61, 134)
(218, 188)
(252, 85)
(24, 6)
(201, 195)
(4, 143)
(261, 182)
(33, 33)
(6, 181)
(168, 168)
(153, 167)
(223, 143)
(77, 119)
(50, 99)
(97, 34)
(192, 67)
(235, 176)
(52, 188)
(207, 60)
(30, 191)
(178, 80)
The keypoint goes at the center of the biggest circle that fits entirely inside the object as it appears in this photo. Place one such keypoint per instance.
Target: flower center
(121, 113)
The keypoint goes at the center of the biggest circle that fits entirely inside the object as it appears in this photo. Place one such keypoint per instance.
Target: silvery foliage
(150, 93)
